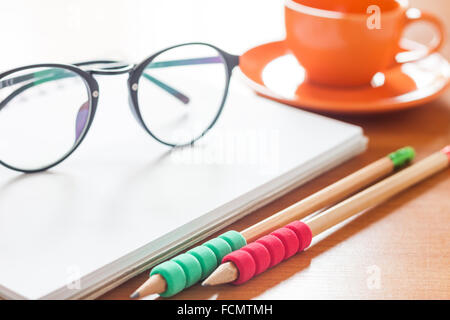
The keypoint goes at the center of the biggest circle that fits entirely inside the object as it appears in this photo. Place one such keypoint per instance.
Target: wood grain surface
(398, 250)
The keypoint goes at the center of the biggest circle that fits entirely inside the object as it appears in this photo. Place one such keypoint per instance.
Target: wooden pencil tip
(225, 273)
(205, 283)
(155, 284)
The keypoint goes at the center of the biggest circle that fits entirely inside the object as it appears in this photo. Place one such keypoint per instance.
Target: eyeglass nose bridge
(112, 67)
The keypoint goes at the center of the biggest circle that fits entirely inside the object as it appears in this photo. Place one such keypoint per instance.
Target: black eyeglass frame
(135, 72)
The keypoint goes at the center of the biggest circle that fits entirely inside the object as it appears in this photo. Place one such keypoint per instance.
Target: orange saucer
(274, 72)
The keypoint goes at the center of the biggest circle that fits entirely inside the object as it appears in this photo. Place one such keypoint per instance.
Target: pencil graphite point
(155, 284)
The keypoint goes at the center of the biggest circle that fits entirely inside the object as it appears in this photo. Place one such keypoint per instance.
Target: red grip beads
(269, 250)
(289, 239)
(303, 233)
(260, 255)
(275, 247)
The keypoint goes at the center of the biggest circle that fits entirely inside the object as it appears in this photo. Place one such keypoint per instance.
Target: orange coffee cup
(346, 42)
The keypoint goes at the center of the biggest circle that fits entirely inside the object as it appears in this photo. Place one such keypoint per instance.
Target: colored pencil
(229, 272)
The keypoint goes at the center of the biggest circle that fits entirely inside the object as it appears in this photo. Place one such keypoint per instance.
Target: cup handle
(414, 15)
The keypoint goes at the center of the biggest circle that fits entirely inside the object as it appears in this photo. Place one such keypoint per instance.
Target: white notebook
(123, 202)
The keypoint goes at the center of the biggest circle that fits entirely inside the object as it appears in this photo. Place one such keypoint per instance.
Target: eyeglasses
(46, 110)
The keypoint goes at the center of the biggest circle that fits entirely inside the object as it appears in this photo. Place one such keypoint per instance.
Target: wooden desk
(399, 250)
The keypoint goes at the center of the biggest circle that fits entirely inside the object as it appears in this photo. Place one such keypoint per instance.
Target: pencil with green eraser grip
(184, 270)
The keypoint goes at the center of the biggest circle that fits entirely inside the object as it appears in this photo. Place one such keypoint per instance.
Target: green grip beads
(220, 248)
(234, 239)
(402, 156)
(207, 259)
(198, 263)
(191, 267)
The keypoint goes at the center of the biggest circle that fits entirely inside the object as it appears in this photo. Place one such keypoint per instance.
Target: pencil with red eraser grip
(243, 264)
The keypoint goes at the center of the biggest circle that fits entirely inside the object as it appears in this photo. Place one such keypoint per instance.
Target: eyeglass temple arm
(185, 62)
(55, 74)
(177, 63)
(40, 77)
